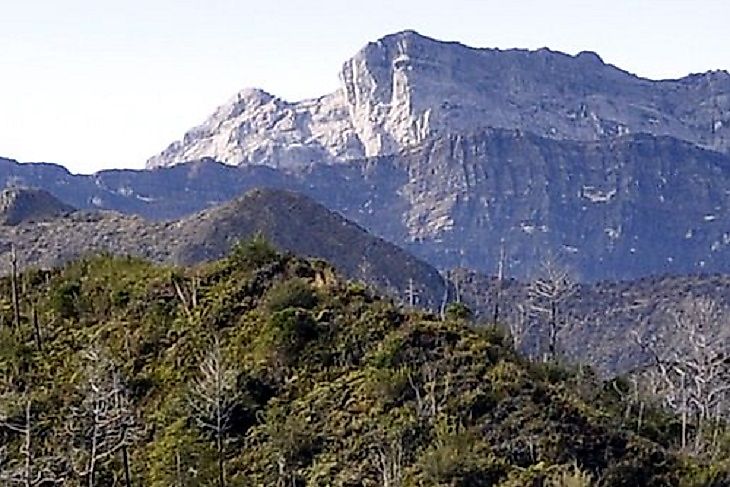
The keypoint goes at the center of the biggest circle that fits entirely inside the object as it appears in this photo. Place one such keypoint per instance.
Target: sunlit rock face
(405, 88)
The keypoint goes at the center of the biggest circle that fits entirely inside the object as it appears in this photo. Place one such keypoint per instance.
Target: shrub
(254, 253)
(65, 299)
(458, 312)
(569, 477)
(456, 458)
(285, 334)
(294, 293)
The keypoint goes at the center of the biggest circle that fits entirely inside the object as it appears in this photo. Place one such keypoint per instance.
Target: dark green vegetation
(264, 369)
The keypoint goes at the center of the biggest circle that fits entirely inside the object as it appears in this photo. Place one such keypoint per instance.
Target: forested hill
(263, 369)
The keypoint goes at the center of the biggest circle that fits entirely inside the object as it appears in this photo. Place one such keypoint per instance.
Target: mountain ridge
(291, 221)
(400, 90)
(618, 208)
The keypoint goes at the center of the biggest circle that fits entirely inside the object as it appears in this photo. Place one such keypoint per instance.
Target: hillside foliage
(264, 369)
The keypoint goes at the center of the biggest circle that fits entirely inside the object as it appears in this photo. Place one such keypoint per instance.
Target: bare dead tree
(445, 297)
(458, 287)
(36, 328)
(389, 458)
(431, 390)
(546, 296)
(30, 468)
(412, 293)
(519, 326)
(213, 396)
(104, 424)
(187, 292)
(690, 367)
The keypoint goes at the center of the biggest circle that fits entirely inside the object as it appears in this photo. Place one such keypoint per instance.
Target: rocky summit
(405, 88)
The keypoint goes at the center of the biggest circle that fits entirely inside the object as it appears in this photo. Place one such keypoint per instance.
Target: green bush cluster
(333, 385)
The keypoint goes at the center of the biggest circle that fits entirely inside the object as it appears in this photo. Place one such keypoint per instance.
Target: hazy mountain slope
(405, 88)
(18, 205)
(299, 224)
(291, 221)
(614, 209)
(600, 320)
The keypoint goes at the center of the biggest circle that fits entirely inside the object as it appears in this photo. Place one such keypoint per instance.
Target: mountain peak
(406, 88)
(252, 95)
(403, 34)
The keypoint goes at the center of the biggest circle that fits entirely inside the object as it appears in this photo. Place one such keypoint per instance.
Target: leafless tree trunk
(519, 326)
(546, 295)
(431, 389)
(31, 469)
(690, 365)
(445, 299)
(37, 328)
(390, 463)
(212, 398)
(104, 424)
(14, 286)
(412, 293)
(498, 289)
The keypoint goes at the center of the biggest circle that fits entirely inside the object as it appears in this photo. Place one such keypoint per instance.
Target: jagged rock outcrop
(405, 88)
(291, 221)
(20, 205)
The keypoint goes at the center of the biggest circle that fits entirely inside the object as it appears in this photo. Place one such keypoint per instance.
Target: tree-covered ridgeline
(266, 369)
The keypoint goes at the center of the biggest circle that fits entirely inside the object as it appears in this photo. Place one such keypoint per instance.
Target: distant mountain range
(452, 152)
(613, 209)
(46, 233)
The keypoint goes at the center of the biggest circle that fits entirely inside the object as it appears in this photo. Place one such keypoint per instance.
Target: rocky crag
(406, 88)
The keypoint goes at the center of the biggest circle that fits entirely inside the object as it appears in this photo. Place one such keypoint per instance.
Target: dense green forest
(264, 369)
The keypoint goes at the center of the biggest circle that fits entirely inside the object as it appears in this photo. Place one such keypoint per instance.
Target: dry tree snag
(546, 296)
(689, 367)
(30, 468)
(104, 423)
(213, 395)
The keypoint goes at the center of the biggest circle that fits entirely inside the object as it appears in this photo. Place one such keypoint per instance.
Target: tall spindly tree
(104, 423)
(213, 396)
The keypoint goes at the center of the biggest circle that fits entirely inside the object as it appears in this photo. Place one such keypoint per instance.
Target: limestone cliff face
(405, 88)
(627, 207)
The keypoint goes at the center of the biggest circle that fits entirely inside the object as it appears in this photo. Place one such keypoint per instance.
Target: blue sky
(95, 84)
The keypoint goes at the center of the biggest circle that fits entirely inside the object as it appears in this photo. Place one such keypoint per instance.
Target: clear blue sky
(95, 84)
